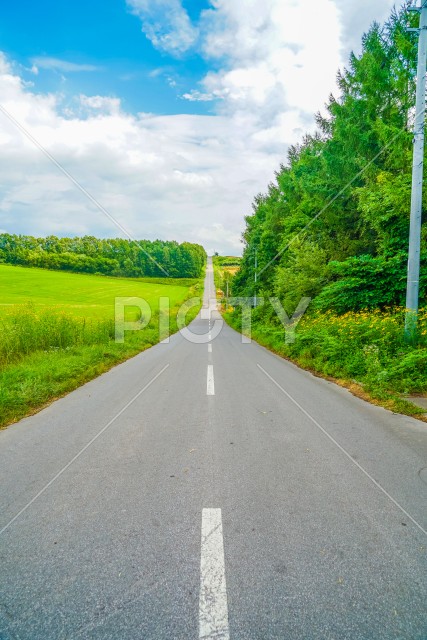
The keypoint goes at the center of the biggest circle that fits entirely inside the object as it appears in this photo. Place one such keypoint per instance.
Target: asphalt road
(219, 492)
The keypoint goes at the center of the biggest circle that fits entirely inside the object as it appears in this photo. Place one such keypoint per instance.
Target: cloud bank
(183, 177)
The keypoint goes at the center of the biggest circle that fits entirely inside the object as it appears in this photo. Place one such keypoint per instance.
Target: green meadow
(57, 330)
(80, 295)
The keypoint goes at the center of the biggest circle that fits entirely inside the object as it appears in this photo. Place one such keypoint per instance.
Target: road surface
(209, 489)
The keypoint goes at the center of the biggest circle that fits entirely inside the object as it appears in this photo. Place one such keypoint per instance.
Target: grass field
(57, 330)
(84, 296)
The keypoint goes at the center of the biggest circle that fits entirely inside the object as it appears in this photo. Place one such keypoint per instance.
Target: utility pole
(256, 275)
(412, 289)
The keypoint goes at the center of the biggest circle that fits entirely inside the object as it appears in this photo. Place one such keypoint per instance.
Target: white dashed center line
(210, 386)
(209, 348)
(213, 608)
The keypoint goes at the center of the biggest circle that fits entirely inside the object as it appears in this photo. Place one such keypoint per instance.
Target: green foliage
(25, 330)
(115, 257)
(365, 347)
(304, 274)
(408, 372)
(224, 269)
(367, 282)
(334, 227)
(334, 224)
(227, 261)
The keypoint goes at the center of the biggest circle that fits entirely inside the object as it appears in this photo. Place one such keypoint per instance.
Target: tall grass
(365, 348)
(25, 330)
(45, 353)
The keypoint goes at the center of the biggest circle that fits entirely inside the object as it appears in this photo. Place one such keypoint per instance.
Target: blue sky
(173, 114)
(105, 35)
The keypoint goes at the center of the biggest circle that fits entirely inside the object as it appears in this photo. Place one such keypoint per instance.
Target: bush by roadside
(364, 349)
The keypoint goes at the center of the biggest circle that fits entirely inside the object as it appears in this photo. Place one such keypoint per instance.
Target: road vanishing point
(208, 489)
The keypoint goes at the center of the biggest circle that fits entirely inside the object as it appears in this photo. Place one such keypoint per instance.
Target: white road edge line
(210, 385)
(83, 450)
(352, 460)
(213, 607)
(209, 348)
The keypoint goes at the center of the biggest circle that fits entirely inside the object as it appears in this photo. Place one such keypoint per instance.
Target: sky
(172, 114)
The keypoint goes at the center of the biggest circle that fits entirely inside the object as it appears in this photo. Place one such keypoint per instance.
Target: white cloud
(100, 103)
(197, 96)
(166, 24)
(182, 177)
(356, 16)
(46, 62)
(160, 71)
(278, 60)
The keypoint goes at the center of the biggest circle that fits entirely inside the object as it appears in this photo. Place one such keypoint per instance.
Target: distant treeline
(116, 257)
(228, 261)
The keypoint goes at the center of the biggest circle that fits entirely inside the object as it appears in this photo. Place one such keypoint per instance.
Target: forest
(114, 257)
(333, 227)
(334, 224)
